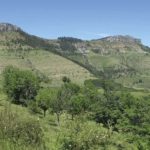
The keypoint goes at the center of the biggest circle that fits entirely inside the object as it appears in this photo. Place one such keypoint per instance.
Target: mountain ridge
(8, 27)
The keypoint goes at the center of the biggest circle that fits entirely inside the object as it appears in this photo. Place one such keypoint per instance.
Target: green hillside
(51, 65)
(121, 58)
(130, 69)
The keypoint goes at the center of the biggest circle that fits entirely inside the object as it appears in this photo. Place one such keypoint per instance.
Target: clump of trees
(76, 105)
(20, 86)
(115, 110)
(67, 44)
(70, 39)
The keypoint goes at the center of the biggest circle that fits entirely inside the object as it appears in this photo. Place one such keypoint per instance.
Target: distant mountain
(105, 46)
(118, 44)
(14, 38)
(121, 38)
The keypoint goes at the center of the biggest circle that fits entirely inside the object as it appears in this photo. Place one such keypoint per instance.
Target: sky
(85, 19)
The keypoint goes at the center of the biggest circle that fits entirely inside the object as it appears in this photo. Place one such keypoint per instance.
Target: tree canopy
(21, 86)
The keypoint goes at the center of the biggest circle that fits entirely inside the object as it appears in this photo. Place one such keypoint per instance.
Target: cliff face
(6, 27)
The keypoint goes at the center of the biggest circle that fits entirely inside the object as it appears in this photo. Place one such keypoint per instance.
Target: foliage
(77, 104)
(109, 84)
(107, 108)
(91, 94)
(124, 113)
(67, 46)
(33, 107)
(20, 132)
(66, 79)
(105, 119)
(70, 39)
(46, 98)
(90, 136)
(68, 43)
(21, 86)
(66, 91)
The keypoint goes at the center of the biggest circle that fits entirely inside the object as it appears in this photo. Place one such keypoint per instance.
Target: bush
(65, 79)
(20, 132)
(90, 136)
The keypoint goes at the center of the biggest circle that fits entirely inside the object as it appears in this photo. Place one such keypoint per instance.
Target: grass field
(53, 66)
(138, 61)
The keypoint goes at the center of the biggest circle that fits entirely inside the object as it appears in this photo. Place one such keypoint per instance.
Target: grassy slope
(139, 61)
(53, 66)
(26, 115)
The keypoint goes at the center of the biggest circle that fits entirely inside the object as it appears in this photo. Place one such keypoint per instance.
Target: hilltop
(14, 38)
(117, 44)
(7, 27)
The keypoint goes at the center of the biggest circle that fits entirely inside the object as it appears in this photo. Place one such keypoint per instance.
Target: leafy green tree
(135, 117)
(108, 109)
(67, 91)
(46, 98)
(91, 94)
(63, 96)
(57, 105)
(20, 85)
(77, 104)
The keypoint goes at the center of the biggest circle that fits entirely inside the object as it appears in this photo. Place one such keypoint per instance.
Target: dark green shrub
(20, 85)
(66, 79)
(46, 98)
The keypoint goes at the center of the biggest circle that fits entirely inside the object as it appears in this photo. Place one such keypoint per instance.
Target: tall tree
(45, 99)
(20, 85)
(77, 105)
